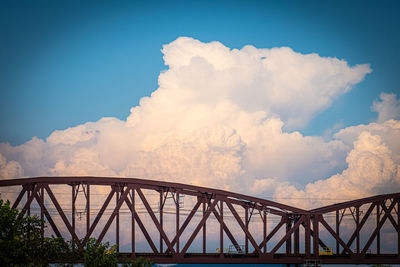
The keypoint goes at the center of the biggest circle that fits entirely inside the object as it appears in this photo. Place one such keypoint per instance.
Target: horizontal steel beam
(151, 184)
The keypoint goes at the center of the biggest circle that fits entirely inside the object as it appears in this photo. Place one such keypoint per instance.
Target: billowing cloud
(278, 81)
(371, 170)
(388, 131)
(373, 164)
(388, 108)
(10, 169)
(220, 118)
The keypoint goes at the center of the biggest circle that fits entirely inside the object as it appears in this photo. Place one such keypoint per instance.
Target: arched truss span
(297, 236)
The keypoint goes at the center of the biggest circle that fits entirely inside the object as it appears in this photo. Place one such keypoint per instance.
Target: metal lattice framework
(297, 237)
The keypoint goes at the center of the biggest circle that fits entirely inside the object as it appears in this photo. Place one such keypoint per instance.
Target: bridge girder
(300, 225)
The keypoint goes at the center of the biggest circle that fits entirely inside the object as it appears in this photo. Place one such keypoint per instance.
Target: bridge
(240, 228)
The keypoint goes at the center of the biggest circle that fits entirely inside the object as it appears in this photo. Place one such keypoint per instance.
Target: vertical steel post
(246, 218)
(337, 232)
(221, 229)
(42, 210)
(117, 218)
(378, 235)
(27, 198)
(204, 227)
(358, 229)
(87, 208)
(177, 221)
(316, 235)
(307, 236)
(265, 231)
(297, 241)
(161, 218)
(133, 223)
(289, 240)
(73, 207)
(398, 227)
(30, 191)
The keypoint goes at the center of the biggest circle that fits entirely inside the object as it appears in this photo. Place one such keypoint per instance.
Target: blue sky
(68, 62)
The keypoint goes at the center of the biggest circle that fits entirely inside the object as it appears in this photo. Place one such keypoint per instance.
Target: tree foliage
(100, 255)
(22, 244)
(20, 237)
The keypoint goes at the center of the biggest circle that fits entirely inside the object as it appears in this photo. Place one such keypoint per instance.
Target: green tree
(99, 254)
(59, 250)
(102, 254)
(20, 238)
(21, 244)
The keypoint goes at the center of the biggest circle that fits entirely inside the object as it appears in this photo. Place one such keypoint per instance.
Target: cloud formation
(388, 108)
(279, 81)
(371, 170)
(220, 118)
(10, 168)
(373, 163)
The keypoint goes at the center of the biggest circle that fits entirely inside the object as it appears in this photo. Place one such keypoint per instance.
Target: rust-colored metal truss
(298, 236)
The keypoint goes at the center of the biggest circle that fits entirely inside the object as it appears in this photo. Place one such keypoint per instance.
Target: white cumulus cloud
(10, 169)
(278, 81)
(371, 170)
(388, 108)
(221, 118)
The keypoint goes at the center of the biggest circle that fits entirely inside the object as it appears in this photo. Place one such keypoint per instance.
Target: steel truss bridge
(298, 236)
